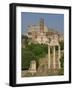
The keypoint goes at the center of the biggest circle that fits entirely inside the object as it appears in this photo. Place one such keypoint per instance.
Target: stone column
(59, 55)
(48, 57)
(54, 62)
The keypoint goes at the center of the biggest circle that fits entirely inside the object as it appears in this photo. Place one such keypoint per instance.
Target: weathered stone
(32, 68)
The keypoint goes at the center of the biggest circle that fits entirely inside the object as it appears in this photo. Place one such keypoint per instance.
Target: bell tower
(41, 25)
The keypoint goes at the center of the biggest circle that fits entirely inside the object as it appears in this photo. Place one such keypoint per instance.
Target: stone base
(49, 72)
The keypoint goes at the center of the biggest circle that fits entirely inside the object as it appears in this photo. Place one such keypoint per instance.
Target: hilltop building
(42, 34)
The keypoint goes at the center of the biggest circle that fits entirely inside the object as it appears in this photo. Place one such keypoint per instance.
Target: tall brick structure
(41, 25)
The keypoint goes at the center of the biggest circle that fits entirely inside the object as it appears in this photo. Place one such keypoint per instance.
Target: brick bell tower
(41, 25)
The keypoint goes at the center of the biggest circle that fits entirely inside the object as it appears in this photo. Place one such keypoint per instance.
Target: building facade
(42, 34)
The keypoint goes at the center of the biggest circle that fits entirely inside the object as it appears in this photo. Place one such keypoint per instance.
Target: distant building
(42, 34)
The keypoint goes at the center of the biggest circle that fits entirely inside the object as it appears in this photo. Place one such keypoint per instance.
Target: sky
(53, 21)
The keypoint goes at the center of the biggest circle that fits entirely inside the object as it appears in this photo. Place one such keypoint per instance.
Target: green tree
(38, 50)
(61, 45)
(33, 52)
(27, 57)
(25, 40)
(62, 61)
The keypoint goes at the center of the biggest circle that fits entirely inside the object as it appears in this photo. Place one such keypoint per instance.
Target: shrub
(27, 56)
(62, 61)
(61, 45)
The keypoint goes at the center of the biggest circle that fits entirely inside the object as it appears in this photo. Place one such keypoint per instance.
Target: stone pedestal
(32, 68)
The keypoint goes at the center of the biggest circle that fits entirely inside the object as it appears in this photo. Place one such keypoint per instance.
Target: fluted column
(48, 57)
(54, 62)
(59, 55)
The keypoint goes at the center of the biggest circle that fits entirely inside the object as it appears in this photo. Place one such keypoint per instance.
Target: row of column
(54, 57)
